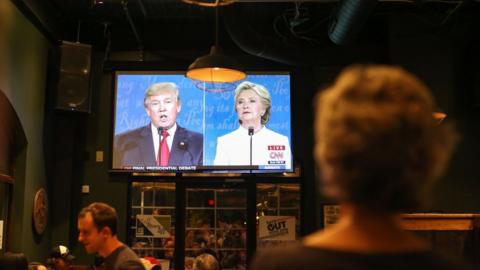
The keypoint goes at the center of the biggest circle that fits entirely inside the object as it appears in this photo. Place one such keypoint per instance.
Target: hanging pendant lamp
(215, 67)
(209, 3)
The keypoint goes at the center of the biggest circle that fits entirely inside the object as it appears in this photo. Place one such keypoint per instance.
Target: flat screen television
(205, 122)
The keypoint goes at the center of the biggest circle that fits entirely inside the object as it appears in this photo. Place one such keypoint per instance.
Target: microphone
(250, 133)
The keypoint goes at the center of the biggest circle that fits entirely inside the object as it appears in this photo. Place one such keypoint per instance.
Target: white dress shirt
(268, 148)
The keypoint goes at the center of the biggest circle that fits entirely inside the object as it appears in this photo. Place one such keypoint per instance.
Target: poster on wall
(157, 226)
(277, 228)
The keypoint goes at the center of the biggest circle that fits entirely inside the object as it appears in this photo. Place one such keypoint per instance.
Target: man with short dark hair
(97, 226)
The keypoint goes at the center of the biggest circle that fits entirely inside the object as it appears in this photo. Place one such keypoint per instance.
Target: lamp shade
(209, 3)
(215, 67)
(439, 116)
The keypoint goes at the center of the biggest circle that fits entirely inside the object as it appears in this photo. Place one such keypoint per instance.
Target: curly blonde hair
(376, 141)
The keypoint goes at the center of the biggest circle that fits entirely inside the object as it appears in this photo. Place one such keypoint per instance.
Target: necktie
(163, 151)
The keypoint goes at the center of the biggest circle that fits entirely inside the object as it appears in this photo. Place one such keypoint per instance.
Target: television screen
(167, 122)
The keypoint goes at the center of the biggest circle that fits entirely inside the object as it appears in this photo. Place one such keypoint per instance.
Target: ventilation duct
(349, 20)
(258, 45)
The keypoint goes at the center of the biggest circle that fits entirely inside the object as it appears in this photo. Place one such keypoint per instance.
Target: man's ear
(147, 111)
(106, 231)
(179, 107)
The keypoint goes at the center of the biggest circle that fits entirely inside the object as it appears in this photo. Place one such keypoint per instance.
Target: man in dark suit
(162, 142)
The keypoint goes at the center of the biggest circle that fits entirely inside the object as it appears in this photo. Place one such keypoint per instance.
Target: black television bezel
(208, 171)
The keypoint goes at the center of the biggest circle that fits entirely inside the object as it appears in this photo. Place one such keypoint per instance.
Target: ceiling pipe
(142, 7)
(349, 20)
(134, 29)
(255, 44)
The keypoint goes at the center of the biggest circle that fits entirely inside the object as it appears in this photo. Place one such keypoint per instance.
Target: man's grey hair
(157, 88)
(205, 261)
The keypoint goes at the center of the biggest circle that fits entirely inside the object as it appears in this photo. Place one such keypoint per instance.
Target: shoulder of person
(126, 249)
(190, 133)
(131, 133)
(445, 261)
(232, 134)
(195, 135)
(275, 134)
(132, 264)
(280, 257)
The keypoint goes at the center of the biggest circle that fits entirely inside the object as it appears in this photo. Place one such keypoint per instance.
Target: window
(216, 220)
(278, 214)
(153, 220)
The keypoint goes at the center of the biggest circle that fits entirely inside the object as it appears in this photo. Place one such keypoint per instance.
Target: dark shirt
(300, 257)
(123, 258)
(135, 148)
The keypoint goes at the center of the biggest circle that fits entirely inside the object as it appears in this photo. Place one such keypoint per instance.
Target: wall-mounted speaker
(73, 89)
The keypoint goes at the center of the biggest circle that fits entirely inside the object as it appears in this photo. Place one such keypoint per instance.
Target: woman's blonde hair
(376, 140)
(262, 92)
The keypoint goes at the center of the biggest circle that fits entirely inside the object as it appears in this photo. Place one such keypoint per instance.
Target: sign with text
(331, 214)
(277, 228)
(153, 225)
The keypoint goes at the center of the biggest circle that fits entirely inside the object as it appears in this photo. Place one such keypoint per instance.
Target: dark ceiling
(173, 19)
(162, 25)
(165, 24)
